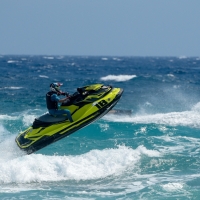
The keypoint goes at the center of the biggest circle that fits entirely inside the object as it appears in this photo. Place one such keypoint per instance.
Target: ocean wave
(13, 88)
(37, 167)
(171, 187)
(26, 117)
(118, 78)
(8, 147)
(43, 76)
(12, 61)
(179, 145)
(7, 117)
(117, 59)
(49, 57)
(185, 118)
(3, 132)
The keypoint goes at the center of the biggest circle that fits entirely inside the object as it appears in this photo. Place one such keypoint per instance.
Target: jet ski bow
(86, 105)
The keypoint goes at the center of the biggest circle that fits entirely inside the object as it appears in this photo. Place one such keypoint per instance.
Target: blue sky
(100, 27)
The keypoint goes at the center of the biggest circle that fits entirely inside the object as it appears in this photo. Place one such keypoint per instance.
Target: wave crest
(118, 78)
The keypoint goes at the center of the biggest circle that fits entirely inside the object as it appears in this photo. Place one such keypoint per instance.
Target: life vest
(51, 104)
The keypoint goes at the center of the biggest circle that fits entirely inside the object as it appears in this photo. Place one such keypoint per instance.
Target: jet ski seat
(47, 119)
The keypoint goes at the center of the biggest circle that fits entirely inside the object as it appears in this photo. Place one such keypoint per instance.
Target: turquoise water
(151, 154)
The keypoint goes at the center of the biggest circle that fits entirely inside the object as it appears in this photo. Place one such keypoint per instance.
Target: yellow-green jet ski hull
(48, 129)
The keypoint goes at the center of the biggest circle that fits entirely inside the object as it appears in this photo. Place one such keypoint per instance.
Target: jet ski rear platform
(88, 104)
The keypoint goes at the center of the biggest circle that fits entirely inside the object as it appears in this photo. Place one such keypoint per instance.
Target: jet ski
(86, 105)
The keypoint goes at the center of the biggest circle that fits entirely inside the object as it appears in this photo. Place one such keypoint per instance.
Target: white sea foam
(171, 187)
(171, 75)
(104, 126)
(118, 78)
(13, 88)
(37, 167)
(185, 118)
(182, 57)
(7, 117)
(27, 117)
(3, 132)
(117, 59)
(12, 61)
(178, 145)
(43, 76)
(48, 57)
(104, 58)
(60, 57)
(8, 147)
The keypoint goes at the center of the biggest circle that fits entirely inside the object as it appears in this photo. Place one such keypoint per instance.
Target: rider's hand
(65, 94)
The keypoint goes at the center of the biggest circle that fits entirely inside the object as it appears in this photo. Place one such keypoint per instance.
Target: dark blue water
(151, 154)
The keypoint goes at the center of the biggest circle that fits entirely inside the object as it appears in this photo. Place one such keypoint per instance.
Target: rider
(52, 100)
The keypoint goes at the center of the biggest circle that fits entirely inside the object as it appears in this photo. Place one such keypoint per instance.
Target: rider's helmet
(55, 87)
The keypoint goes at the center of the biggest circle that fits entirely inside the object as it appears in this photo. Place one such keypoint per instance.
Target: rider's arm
(63, 100)
(55, 97)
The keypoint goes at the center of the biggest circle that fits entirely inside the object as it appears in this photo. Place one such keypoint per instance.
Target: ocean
(152, 153)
